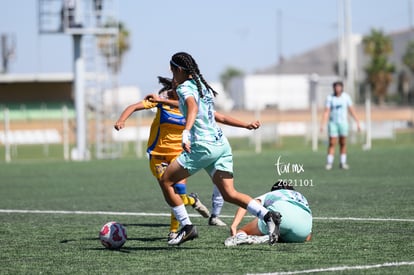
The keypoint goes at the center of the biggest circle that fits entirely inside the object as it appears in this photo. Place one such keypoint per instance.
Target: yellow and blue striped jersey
(166, 130)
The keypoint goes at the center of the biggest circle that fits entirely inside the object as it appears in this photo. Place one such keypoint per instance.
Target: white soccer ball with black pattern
(113, 235)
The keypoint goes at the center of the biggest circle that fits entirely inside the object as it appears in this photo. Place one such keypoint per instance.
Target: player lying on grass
(205, 147)
(296, 224)
(164, 145)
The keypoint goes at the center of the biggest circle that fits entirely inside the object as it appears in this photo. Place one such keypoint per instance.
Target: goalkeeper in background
(336, 109)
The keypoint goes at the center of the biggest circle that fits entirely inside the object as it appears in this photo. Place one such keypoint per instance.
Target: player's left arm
(231, 121)
(354, 115)
(238, 217)
(120, 123)
(324, 119)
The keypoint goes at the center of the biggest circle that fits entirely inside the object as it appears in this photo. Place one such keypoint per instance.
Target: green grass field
(378, 185)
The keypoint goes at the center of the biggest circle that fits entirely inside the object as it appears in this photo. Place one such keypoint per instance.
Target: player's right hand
(233, 230)
(153, 98)
(253, 125)
(119, 125)
(186, 141)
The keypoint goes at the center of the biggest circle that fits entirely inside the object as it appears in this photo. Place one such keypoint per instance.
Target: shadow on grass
(81, 239)
(147, 239)
(143, 248)
(146, 224)
(154, 239)
(129, 249)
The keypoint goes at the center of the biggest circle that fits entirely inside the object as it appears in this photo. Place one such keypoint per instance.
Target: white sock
(181, 215)
(343, 158)
(329, 159)
(217, 202)
(256, 209)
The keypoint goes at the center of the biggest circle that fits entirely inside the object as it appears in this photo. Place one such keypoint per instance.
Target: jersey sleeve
(328, 101)
(349, 100)
(148, 104)
(185, 91)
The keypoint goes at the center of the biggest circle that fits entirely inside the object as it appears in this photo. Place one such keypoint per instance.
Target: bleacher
(40, 136)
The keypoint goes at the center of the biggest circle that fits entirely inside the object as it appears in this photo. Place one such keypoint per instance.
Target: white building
(253, 92)
(285, 92)
(286, 85)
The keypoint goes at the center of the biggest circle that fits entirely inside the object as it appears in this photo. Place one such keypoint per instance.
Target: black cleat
(273, 220)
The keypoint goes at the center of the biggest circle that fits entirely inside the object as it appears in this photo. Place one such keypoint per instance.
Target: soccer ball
(113, 235)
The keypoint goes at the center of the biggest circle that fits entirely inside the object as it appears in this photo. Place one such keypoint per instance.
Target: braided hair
(186, 62)
(166, 83)
(281, 184)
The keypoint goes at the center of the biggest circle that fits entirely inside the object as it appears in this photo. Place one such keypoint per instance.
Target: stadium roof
(322, 59)
(36, 77)
(319, 60)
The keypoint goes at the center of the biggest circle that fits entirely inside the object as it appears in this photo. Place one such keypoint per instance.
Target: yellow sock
(174, 223)
(187, 200)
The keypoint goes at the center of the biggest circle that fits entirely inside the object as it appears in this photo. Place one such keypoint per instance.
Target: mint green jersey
(291, 196)
(338, 107)
(205, 127)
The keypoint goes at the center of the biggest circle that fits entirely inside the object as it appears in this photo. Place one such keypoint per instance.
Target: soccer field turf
(378, 189)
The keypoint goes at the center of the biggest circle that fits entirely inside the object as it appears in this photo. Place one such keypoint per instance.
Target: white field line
(363, 219)
(29, 211)
(340, 268)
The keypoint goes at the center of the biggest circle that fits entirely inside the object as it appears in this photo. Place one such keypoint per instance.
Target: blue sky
(218, 33)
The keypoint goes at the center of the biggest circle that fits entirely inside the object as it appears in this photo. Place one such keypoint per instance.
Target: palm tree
(379, 71)
(113, 48)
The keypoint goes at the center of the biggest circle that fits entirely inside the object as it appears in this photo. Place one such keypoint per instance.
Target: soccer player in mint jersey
(336, 109)
(164, 143)
(205, 147)
(296, 225)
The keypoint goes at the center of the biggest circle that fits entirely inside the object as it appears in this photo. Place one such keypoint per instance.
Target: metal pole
(279, 37)
(340, 56)
(138, 145)
(81, 151)
(349, 49)
(258, 136)
(368, 144)
(4, 66)
(65, 133)
(314, 111)
(7, 135)
(410, 14)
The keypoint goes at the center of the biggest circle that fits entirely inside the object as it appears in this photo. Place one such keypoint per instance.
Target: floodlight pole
(368, 143)
(7, 135)
(74, 18)
(65, 132)
(313, 83)
(350, 64)
(80, 152)
(258, 135)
